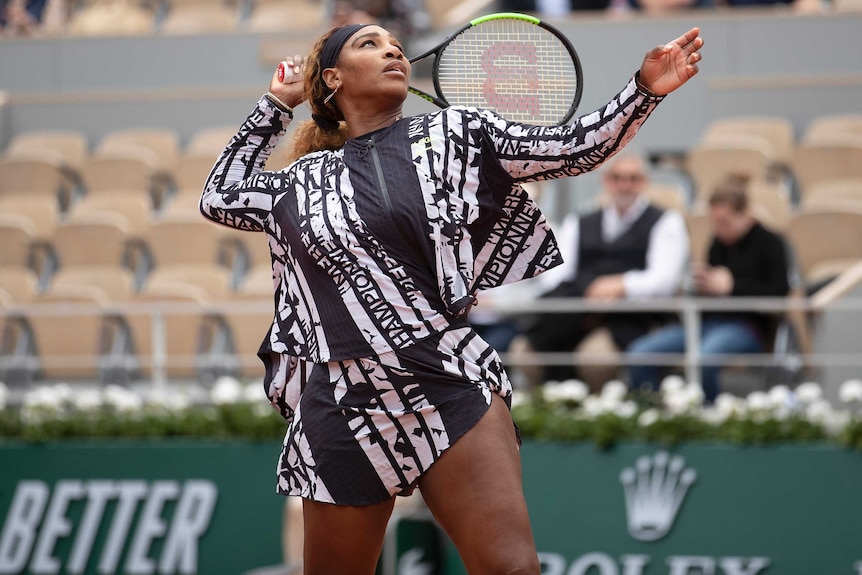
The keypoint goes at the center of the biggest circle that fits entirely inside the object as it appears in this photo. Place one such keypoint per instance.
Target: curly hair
(309, 136)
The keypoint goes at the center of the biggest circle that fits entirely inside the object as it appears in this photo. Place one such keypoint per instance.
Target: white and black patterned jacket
(387, 240)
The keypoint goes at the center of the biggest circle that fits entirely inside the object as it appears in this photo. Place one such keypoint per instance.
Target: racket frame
(441, 102)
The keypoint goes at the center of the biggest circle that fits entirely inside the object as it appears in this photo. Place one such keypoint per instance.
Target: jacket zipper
(379, 170)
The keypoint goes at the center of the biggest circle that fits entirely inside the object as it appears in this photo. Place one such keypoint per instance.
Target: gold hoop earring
(329, 97)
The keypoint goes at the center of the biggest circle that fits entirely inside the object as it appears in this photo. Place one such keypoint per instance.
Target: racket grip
(280, 71)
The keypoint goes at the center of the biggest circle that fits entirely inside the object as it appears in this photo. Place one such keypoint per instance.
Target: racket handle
(281, 67)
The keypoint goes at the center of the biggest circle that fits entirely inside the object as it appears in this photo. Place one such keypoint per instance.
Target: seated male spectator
(628, 249)
(744, 260)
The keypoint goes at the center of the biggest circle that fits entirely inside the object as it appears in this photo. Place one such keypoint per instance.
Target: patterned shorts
(367, 429)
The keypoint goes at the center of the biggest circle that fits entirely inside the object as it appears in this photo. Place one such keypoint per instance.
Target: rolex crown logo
(655, 488)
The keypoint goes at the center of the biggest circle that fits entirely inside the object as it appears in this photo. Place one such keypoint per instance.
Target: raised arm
(538, 153)
(238, 192)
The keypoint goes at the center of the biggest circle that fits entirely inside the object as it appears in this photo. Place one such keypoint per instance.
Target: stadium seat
(771, 205)
(135, 210)
(43, 213)
(111, 18)
(17, 286)
(667, 196)
(826, 241)
(700, 235)
(162, 142)
(277, 16)
(199, 18)
(825, 127)
(69, 146)
(194, 336)
(29, 177)
(836, 158)
(709, 163)
(778, 132)
(16, 237)
(210, 141)
(121, 175)
(188, 250)
(190, 173)
(847, 192)
(92, 239)
(846, 6)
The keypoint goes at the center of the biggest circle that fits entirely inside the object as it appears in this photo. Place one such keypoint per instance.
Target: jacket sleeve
(532, 153)
(238, 192)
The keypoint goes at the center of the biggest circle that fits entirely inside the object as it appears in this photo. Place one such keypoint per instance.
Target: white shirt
(666, 258)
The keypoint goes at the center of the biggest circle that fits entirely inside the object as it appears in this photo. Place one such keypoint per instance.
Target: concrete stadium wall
(754, 62)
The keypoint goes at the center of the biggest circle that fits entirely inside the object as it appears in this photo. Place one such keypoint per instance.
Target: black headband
(333, 45)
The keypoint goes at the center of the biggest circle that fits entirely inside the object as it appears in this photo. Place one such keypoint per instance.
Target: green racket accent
(514, 15)
(424, 96)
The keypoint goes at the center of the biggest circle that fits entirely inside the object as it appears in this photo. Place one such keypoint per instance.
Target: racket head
(513, 64)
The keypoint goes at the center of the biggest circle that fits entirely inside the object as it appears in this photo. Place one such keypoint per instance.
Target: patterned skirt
(367, 429)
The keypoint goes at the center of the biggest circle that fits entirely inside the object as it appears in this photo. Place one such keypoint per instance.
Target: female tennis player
(382, 231)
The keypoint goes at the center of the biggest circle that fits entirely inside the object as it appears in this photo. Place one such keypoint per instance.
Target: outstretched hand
(291, 88)
(668, 67)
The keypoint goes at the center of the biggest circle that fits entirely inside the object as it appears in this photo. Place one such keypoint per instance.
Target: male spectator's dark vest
(627, 252)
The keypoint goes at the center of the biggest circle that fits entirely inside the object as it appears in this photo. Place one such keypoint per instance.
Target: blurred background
(115, 294)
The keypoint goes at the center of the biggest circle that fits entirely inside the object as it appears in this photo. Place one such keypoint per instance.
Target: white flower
(63, 391)
(4, 395)
(614, 391)
(672, 384)
(226, 390)
(819, 411)
(850, 391)
(518, 398)
(694, 393)
(728, 405)
(758, 401)
(261, 409)
(681, 399)
(253, 393)
(593, 406)
(780, 396)
(837, 421)
(569, 390)
(649, 417)
(122, 399)
(676, 403)
(168, 398)
(87, 399)
(44, 397)
(714, 416)
(809, 392)
(626, 409)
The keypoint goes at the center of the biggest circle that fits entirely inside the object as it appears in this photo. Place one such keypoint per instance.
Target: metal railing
(689, 309)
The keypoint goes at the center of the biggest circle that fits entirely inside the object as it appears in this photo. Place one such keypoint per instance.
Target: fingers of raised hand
(293, 66)
(689, 38)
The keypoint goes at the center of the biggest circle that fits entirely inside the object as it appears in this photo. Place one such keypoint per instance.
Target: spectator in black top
(745, 259)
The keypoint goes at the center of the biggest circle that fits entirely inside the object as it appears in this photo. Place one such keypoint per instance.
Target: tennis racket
(514, 64)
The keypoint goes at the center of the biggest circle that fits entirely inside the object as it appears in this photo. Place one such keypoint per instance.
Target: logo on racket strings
(510, 85)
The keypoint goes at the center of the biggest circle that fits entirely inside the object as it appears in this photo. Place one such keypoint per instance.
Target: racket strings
(515, 68)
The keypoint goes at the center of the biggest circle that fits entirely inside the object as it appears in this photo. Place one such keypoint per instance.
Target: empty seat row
(764, 148)
(128, 17)
(93, 317)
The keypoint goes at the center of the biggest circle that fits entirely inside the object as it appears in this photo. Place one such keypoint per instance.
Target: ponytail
(327, 131)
